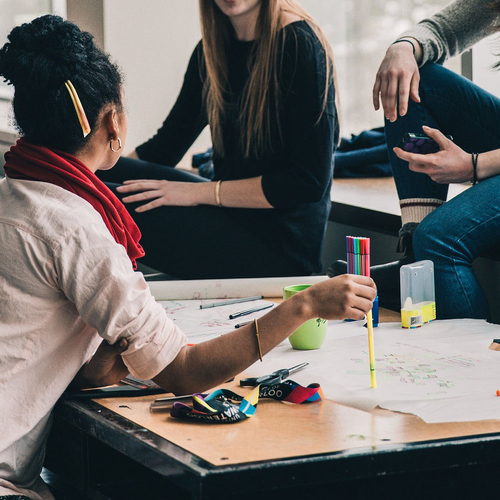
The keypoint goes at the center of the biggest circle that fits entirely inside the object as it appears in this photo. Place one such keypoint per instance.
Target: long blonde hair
(257, 109)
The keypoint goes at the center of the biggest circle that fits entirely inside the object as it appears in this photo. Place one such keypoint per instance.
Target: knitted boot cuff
(416, 209)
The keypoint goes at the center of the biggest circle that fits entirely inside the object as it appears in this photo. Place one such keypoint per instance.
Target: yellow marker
(369, 324)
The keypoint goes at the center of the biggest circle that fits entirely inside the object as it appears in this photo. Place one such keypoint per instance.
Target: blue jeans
(453, 235)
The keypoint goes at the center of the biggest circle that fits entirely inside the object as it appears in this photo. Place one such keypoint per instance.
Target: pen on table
(249, 311)
(369, 321)
(239, 325)
(232, 301)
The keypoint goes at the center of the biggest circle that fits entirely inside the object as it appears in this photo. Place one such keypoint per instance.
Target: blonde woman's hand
(157, 193)
(449, 165)
(397, 80)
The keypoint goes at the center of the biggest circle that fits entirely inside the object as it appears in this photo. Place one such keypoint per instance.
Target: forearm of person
(84, 380)
(208, 364)
(88, 378)
(407, 48)
(106, 367)
(488, 164)
(243, 193)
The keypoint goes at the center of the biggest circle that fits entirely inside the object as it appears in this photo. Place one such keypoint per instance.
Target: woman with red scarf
(67, 278)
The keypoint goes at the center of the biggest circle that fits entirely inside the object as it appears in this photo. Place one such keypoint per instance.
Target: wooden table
(118, 449)
(283, 451)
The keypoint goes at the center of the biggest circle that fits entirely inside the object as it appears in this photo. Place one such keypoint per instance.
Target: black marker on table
(249, 311)
(239, 325)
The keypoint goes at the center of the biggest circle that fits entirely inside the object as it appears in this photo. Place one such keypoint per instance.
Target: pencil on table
(369, 316)
(358, 258)
(373, 378)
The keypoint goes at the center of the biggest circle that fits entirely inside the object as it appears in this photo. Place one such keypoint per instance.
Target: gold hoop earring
(119, 145)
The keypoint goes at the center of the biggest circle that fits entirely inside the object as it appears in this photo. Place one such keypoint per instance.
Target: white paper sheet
(442, 372)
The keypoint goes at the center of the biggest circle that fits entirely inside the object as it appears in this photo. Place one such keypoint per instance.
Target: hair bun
(44, 53)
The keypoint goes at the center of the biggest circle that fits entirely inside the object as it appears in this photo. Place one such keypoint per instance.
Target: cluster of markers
(358, 262)
(358, 255)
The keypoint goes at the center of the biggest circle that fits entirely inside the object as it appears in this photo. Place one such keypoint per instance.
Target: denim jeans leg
(455, 106)
(452, 237)
(411, 184)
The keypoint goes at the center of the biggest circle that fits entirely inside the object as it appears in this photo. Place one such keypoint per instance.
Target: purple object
(419, 145)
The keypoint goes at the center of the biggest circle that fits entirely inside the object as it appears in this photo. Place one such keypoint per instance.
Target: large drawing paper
(442, 372)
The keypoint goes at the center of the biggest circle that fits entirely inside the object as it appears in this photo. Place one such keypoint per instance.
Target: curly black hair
(38, 58)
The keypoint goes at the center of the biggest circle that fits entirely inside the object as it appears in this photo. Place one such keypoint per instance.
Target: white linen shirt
(65, 284)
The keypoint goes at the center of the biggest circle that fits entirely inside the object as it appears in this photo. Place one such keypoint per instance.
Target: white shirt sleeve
(95, 273)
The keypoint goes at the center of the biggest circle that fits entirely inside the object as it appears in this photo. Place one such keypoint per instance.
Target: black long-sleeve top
(296, 171)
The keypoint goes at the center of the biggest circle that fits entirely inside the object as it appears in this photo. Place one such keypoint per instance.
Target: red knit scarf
(38, 163)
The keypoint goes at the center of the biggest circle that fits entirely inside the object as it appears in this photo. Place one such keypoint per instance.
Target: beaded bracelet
(405, 40)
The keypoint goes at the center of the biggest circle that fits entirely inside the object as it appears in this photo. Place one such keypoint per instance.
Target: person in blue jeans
(419, 95)
(454, 233)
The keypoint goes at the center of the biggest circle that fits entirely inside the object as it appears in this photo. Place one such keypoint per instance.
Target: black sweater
(296, 171)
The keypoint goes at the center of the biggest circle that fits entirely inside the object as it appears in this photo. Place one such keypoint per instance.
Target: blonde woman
(262, 78)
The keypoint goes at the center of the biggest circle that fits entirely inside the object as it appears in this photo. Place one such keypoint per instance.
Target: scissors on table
(272, 378)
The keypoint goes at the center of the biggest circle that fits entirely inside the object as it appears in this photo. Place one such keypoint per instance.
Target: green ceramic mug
(312, 333)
